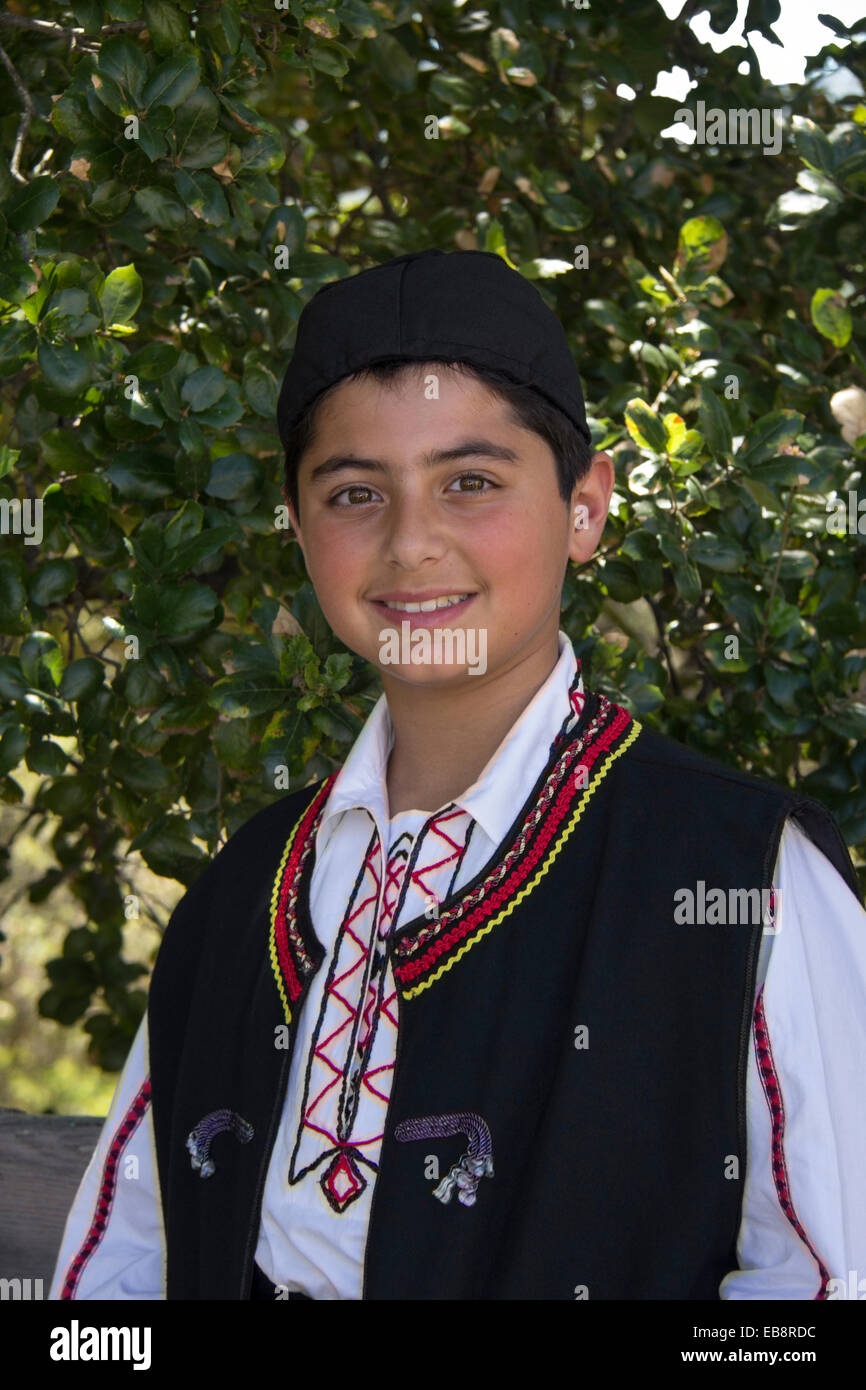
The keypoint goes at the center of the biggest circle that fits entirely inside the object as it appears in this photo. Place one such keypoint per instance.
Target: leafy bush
(181, 178)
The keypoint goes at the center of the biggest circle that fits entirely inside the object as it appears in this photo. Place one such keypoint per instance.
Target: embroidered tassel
(467, 1172)
(200, 1139)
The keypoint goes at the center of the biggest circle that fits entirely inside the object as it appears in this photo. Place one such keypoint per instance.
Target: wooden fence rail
(42, 1161)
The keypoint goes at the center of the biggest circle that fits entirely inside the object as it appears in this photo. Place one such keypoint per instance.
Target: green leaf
(81, 679)
(305, 607)
(812, 144)
(120, 296)
(151, 140)
(65, 368)
(68, 796)
(831, 316)
(234, 476)
(768, 436)
(222, 27)
(8, 459)
(142, 475)
(173, 81)
(13, 746)
(565, 214)
(31, 204)
(621, 581)
(329, 58)
(71, 118)
(687, 579)
(796, 208)
(17, 343)
(40, 652)
(210, 150)
(88, 15)
(151, 362)
(685, 455)
(52, 582)
(161, 207)
(12, 683)
(715, 424)
(717, 553)
(850, 722)
(202, 194)
(195, 119)
(703, 240)
(109, 200)
(543, 268)
(168, 27)
(393, 64)
(783, 685)
(124, 10)
(167, 849)
(198, 548)
(608, 316)
(203, 387)
(47, 758)
(175, 612)
(644, 426)
(261, 391)
(122, 60)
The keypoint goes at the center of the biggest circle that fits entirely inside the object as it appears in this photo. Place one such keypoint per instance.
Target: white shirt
(801, 1225)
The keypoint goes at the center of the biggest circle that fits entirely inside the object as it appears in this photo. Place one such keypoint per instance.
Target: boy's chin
(428, 676)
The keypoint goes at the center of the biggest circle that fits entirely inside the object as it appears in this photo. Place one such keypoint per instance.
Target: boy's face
(405, 499)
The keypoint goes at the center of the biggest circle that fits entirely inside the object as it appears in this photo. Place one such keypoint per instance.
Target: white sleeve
(803, 1230)
(113, 1243)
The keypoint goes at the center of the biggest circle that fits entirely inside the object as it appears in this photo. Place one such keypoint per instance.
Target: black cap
(466, 305)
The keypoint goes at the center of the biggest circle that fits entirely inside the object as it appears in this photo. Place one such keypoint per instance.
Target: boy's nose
(414, 532)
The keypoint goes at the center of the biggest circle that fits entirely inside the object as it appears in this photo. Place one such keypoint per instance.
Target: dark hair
(528, 408)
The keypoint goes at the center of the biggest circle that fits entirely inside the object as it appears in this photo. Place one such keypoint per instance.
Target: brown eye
(472, 478)
(352, 496)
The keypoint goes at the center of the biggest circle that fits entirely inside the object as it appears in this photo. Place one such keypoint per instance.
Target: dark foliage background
(162, 655)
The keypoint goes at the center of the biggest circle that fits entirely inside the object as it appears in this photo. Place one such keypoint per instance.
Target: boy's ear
(590, 502)
(293, 517)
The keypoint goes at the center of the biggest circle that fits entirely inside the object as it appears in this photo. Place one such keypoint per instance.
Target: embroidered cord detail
(285, 945)
(350, 1059)
(408, 944)
(107, 1189)
(511, 894)
(200, 1139)
(773, 1093)
(471, 1167)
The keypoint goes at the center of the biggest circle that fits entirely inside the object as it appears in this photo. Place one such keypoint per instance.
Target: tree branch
(47, 26)
(663, 644)
(27, 116)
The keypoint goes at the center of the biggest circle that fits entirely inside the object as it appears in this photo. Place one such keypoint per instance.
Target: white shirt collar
(503, 785)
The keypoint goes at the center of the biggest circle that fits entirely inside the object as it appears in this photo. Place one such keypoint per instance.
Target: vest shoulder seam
(708, 767)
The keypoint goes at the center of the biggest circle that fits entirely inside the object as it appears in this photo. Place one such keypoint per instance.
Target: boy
(437, 1027)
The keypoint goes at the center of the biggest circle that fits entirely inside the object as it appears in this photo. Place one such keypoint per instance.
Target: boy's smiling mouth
(424, 608)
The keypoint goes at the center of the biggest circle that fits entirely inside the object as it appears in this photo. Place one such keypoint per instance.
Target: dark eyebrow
(468, 448)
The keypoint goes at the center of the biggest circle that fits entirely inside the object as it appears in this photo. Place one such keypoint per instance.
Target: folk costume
(595, 1029)
(551, 1088)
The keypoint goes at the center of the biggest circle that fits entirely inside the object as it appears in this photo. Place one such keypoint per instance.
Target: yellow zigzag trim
(275, 898)
(533, 882)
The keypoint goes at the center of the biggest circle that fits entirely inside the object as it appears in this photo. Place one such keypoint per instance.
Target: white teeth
(428, 606)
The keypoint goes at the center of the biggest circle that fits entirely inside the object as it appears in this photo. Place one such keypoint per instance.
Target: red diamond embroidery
(343, 1181)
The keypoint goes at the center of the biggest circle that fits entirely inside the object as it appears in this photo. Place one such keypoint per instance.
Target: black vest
(573, 1056)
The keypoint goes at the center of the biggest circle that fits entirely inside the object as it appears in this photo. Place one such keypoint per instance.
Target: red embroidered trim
(290, 949)
(773, 1092)
(574, 783)
(407, 944)
(108, 1186)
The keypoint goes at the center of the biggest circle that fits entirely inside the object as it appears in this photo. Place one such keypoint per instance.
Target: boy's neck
(443, 739)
